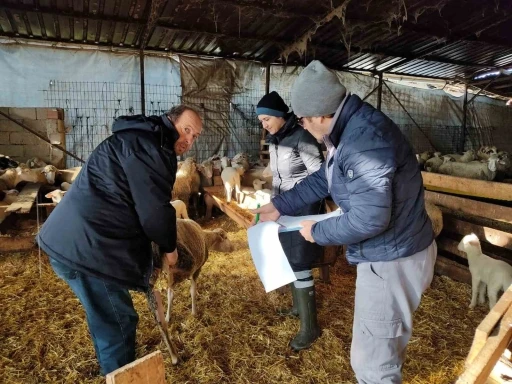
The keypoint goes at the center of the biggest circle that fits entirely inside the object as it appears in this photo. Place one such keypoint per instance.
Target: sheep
(181, 209)
(267, 172)
(423, 157)
(464, 158)
(433, 164)
(231, 179)
(225, 162)
(436, 217)
(205, 170)
(473, 169)
(193, 244)
(55, 195)
(8, 197)
(258, 184)
(44, 175)
(263, 196)
(241, 159)
(485, 271)
(183, 184)
(6, 162)
(35, 162)
(485, 152)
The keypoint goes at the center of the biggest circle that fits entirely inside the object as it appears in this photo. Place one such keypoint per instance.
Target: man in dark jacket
(99, 236)
(372, 174)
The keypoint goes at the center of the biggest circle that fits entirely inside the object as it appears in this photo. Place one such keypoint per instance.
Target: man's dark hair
(175, 112)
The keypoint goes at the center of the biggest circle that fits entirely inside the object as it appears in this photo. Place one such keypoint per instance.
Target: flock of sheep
(485, 164)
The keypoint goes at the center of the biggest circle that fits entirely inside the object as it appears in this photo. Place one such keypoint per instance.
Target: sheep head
(492, 163)
(56, 195)
(49, 172)
(258, 184)
(470, 244)
(221, 243)
(206, 169)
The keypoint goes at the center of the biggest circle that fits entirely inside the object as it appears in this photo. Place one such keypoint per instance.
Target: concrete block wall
(21, 144)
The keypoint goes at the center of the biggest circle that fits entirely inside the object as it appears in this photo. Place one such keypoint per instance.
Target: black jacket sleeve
(151, 178)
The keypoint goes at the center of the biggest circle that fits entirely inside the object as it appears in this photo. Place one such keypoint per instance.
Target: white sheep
(193, 244)
(13, 176)
(473, 169)
(36, 162)
(486, 151)
(181, 209)
(231, 180)
(258, 184)
(225, 162)
(433, 164)
(8, 197)
(55, 195)
(183, 184)
(423, 157)
(436, 217)
(263, 196)
(205, 170)
(485, 271)
(466, 157)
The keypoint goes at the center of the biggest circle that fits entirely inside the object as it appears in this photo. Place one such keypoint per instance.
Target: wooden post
(464, 118)
(379, 94)
(146, 370)
(142, 83)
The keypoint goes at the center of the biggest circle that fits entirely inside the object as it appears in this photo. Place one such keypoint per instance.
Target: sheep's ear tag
(350, 173)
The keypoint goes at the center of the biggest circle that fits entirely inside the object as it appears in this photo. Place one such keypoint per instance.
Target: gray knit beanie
(317, 91)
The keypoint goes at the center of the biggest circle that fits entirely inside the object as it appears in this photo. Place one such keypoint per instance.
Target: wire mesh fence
(230, 124)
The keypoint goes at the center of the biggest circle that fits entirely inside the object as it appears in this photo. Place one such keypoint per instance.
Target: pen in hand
(257, 215)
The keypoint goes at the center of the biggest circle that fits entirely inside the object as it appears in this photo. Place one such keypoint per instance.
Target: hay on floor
(237, 336)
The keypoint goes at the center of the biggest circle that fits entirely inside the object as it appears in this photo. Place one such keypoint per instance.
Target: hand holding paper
(307, 226)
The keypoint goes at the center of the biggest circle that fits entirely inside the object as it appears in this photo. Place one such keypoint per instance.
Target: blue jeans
(111, 317)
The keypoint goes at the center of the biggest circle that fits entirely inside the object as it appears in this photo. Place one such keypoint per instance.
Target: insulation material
(226, 93)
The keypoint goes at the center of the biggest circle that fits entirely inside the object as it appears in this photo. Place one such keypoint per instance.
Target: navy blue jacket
(119, 204)
(377, 183)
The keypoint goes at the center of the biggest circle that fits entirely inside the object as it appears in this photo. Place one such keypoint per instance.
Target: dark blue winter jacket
(377, 183)
(119, 204)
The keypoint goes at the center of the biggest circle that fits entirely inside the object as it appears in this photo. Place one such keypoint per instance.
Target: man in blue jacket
(99, 236)
(372, 174)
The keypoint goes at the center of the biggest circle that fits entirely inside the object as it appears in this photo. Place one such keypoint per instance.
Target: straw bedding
(237, 336)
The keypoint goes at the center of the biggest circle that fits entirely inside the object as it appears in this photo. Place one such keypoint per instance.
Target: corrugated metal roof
(435, 38)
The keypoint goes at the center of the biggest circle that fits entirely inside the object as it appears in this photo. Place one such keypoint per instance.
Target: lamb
(485, 152)
(8, 197)
(423, 157)
(55, 195)
(485, 271)
(205, 170)
(433, 164)
(258, 184)
(464, 158)
(183, 184)
(436, 217)
(193, 244)
(263, 196)
(35, 162)
(231, 179)
(225, 162)
(473, 169)
(181, 209)
(241, 159)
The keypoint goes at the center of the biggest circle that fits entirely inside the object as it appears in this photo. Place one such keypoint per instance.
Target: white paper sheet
(292, 223)
(268, 256)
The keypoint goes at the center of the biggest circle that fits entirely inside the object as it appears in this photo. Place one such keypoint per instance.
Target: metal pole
(483, 89)
(379, 94)
(267, 79)
(371, 93)
(41, 137)
(142, 83)
(464, 117)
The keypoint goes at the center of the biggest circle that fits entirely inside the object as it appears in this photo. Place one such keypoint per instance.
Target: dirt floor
(237, 336)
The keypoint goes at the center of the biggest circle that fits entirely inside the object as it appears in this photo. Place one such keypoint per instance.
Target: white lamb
(8, 197)
(184, 179)
(473, 169)
(241, 159)
(486, 151)
(225, 162)
(485, 271)
(193, 244)
(231, 180)
(263, 196)
(13, 177)
(55, 195)
(205, 170)
(180, 208)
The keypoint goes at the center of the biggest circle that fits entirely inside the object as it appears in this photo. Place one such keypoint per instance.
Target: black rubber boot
(294, 310)
(309, 329)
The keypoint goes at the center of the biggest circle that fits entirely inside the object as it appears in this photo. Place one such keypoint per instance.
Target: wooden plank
(468, 187)
(453, 270)
(481, 367)
(491, 235)
(25, 199)
(488, 324)
(146, 370)
(471, 207)
(16, 244)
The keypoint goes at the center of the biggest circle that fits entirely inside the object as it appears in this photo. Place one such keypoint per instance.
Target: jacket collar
(168, 134)
(352, 104)
(288, 128)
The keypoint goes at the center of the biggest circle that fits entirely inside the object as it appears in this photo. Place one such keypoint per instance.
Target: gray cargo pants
(387, 294)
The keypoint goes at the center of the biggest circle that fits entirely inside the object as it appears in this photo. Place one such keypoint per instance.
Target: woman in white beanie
(294, 154)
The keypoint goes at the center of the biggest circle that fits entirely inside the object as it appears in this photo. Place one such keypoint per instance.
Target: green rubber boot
(309, 330)
(294, 310)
